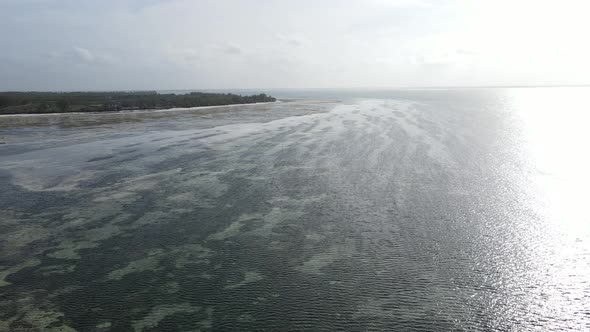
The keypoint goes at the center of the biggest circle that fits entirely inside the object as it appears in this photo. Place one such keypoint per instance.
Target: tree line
(61, 102)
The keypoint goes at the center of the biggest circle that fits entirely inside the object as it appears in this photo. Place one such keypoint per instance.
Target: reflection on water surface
(423, 210)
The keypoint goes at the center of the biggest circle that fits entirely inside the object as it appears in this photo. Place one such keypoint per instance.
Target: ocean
(350, 210)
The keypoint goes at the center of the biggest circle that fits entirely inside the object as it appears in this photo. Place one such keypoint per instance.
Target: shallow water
(407, 210)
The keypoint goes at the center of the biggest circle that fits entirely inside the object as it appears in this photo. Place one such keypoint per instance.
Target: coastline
(140, 111)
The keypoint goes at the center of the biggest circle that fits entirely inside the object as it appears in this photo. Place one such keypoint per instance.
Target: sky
(226, 44)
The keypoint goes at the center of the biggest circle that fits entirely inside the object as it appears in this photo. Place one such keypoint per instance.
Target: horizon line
(435, 87)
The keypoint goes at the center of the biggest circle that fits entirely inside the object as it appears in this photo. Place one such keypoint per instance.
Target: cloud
(81, 55)
(466, 52)
(401, 3)
(187, 56)
(139, 5)
(290, 39)
(340, 42)
(445, 58)
(230, 48)
(84, 54)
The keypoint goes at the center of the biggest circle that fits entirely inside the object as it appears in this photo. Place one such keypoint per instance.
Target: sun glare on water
(554, 140)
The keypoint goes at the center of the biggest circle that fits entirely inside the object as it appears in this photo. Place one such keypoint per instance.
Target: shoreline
(140, 111)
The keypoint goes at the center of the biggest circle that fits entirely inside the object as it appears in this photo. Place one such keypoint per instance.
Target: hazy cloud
(84, 54)
(401, 3)
(171, 44)
(230, 48)
(185, 56)
(456, 57)
(81, 55)
(290, 39)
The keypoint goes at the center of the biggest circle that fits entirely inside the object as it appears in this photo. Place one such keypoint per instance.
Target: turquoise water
(354, 210)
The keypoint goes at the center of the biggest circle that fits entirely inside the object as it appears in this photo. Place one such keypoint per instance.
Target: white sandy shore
(176, 109)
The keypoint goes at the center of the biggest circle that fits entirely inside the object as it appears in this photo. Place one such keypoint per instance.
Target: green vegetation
(61, 102)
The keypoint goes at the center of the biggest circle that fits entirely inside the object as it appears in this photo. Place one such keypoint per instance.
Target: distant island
(63, 102)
